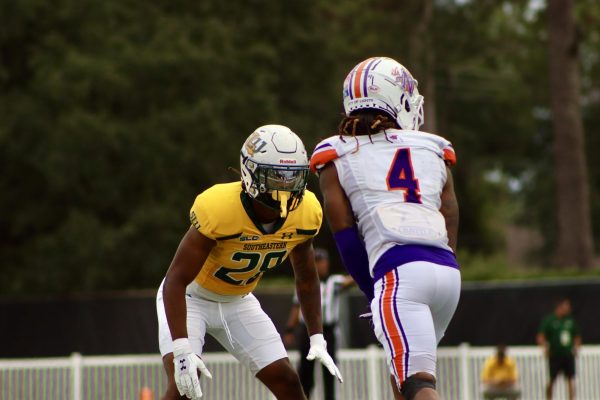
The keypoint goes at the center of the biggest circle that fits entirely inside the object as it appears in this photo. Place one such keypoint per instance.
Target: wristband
(181, 346)
(355, 258)
(289, 329)
(318, 339)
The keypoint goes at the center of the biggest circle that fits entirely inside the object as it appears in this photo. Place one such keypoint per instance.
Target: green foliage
(115, 114)
(477, 268)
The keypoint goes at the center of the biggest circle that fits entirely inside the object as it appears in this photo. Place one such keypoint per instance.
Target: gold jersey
(244, 251)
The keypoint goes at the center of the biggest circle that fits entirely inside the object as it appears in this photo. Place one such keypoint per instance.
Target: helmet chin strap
(282, 196)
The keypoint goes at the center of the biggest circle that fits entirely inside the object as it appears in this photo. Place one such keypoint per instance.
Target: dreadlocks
(365, 122)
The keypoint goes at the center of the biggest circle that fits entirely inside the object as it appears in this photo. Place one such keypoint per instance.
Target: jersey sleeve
(309, 223)
(200, 217)
(449, 155)
(324, 153)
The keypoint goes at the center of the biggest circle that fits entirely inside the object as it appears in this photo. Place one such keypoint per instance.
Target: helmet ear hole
(406, 105)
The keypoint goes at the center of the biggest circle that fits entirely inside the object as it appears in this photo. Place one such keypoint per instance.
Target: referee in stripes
(331, 287)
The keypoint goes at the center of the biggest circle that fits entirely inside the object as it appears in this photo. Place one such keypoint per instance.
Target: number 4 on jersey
(401, 176)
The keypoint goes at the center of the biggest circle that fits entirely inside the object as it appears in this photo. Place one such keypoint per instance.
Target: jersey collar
(247, 203)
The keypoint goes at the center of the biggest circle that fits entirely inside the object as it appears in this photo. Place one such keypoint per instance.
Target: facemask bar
(280, 187)
(290, 179)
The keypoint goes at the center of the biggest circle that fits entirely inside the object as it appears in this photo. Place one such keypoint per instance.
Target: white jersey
(394, 182)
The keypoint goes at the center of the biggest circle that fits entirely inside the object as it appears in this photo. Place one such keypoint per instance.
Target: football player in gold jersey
(239, 231)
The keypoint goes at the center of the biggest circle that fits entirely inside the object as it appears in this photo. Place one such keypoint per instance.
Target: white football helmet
(274, 167)
(384, 84)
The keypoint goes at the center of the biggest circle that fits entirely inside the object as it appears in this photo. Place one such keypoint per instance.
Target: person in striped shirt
(331, 288)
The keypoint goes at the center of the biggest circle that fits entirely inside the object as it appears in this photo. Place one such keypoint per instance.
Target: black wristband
(289, 329)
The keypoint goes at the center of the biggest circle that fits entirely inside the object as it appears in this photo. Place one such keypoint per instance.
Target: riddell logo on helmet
(281, 161)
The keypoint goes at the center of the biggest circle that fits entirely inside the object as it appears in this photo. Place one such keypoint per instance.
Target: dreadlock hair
(365, 122)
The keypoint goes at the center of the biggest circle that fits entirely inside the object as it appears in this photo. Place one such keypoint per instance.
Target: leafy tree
(575, 243)
(115, 114)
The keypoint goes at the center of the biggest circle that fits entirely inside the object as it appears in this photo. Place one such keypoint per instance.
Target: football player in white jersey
(390, 202)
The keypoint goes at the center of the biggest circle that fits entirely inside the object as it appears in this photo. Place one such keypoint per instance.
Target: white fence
(365, 374)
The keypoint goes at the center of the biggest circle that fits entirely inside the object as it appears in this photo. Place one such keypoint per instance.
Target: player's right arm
(340, 217)
(336, 205)
(189, 258)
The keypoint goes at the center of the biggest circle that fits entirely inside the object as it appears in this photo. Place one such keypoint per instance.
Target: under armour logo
(183, 366)
(286, 235)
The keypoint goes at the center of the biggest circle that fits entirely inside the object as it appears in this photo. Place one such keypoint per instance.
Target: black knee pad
(412, 385)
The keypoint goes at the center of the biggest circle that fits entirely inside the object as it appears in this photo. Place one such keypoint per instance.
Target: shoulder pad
(324, 153)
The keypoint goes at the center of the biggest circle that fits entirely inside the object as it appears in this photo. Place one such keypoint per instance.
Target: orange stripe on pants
(387, 309)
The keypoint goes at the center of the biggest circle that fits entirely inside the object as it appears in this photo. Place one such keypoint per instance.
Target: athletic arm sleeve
(355, 258)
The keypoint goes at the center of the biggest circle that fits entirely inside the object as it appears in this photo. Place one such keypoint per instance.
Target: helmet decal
(404, 79)
(254, 144)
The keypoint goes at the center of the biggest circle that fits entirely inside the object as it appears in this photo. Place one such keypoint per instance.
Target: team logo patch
(194, 220)
(249, 238)
(406, 81)
(254, 144)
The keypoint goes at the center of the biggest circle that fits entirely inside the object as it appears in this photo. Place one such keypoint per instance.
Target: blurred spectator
(331, 286)
(559, 336)
(500, 377)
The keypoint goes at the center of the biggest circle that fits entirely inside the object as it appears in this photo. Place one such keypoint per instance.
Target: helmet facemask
(279, 187)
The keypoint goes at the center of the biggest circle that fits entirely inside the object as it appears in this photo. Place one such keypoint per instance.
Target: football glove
(368, 315)
(318, 350)
(186, 366)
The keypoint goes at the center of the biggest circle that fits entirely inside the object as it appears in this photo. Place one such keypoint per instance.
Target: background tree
(115, 114)
(575, 243)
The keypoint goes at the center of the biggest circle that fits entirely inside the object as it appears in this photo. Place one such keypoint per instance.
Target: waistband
(194, 289)
(403, 254)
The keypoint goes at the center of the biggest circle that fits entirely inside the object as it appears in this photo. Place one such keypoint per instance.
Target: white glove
(186, 365)
(318, 350)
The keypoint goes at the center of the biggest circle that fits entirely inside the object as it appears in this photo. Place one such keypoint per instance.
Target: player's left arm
(449, 210)
(309, 296)
(307, 285)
